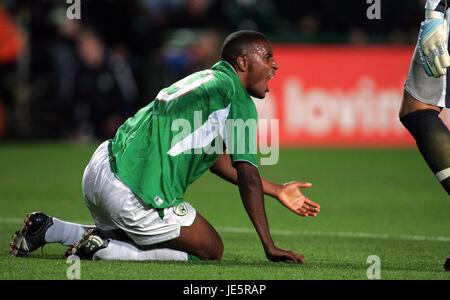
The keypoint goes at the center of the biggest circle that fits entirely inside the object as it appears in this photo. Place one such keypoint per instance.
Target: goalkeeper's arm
(436, 5)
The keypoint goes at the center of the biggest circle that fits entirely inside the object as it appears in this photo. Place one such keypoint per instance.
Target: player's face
(261, 69)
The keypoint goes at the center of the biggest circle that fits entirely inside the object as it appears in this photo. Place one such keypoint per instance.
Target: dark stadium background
(43, 87)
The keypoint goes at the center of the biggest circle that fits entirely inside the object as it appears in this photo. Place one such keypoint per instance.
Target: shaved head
(240, 43)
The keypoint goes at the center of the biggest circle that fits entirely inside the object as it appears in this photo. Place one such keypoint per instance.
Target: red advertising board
(338, 95)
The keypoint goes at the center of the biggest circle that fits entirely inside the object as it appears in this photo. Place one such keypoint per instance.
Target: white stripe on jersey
(214, 127)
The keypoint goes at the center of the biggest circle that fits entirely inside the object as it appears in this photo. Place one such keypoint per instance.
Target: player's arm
(437, 5)
(251, 191)
(433, 37)
(289, 194)
(224, 169)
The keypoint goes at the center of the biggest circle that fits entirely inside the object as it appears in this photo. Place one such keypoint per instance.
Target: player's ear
(242, 63)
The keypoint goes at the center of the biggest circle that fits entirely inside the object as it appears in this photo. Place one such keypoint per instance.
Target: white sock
(118, 250)
(65, 233)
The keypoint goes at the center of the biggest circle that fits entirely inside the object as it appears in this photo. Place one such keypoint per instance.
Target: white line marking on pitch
(299, 233)
(340, 234)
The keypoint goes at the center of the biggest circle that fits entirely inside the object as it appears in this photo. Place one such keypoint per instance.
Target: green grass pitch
(382, 202)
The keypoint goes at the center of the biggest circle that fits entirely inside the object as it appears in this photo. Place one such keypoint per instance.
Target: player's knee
(219, 251)
(421, 121)
(214, 251)
(403, 119)
(410, 105)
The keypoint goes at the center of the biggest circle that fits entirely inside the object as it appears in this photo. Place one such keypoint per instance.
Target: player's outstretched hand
(432, 46)
(291, 197)
(276, 254)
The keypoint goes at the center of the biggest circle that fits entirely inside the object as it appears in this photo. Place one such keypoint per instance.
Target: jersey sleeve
(242, 129)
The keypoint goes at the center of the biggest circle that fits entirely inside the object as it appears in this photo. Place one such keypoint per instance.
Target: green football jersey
(173, 140)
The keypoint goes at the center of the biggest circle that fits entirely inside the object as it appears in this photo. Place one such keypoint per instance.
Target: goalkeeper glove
(433, 36)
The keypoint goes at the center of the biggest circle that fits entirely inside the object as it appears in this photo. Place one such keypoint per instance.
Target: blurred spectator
(104, 92)
(187, 51)
(75, 81)
(205, 50)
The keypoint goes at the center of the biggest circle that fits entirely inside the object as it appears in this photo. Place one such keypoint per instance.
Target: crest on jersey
(180, 210)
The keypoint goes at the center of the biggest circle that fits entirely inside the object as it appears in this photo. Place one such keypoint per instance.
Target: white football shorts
(114, 206)
(426, 89)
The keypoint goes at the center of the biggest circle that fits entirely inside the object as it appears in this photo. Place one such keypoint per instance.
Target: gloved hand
(433, 36)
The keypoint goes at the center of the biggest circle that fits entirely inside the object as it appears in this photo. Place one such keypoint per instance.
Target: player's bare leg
(197, 241)
(431, 135)
(411, 104)
(427, 91)
(200, 239)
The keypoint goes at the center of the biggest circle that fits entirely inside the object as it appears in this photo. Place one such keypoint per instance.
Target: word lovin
(231, 289)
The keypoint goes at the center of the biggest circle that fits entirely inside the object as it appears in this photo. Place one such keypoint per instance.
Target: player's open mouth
(271, 76)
